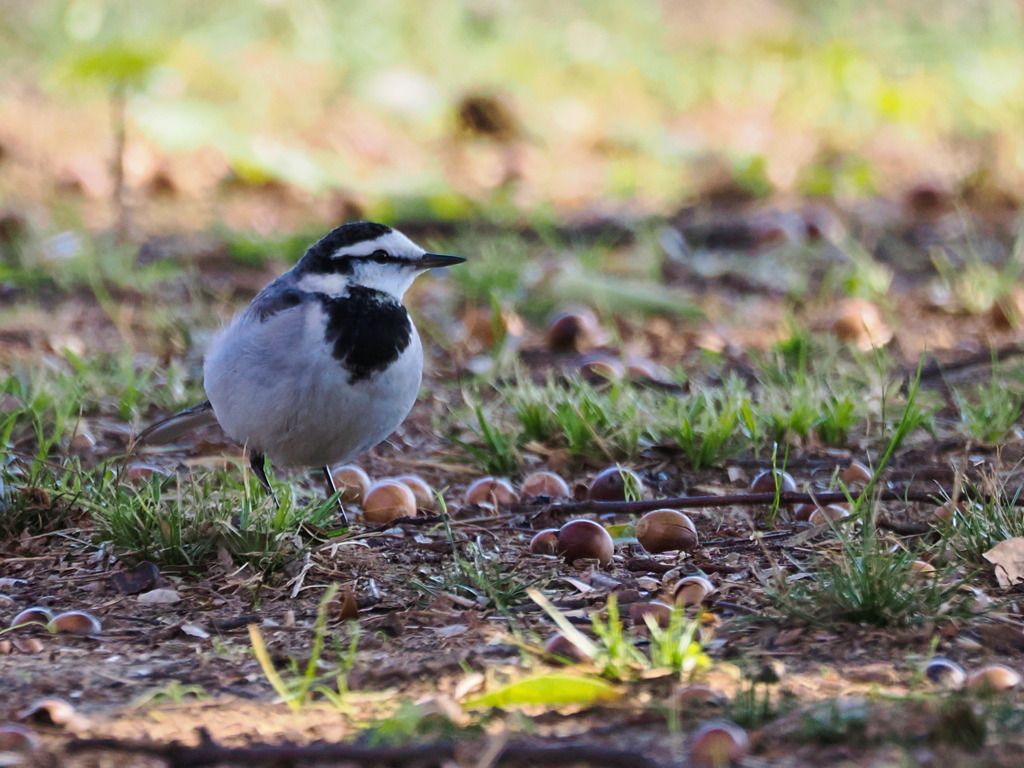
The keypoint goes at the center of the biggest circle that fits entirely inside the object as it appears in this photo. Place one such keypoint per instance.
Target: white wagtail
(324, 363)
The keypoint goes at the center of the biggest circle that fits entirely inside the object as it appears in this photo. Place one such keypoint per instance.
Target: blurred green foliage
(784, 92)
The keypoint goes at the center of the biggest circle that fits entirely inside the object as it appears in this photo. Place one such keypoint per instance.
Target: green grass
(478, 574)
(976, 527)
(596, 77)
(184, 522)
(809, 390)
(989, 411)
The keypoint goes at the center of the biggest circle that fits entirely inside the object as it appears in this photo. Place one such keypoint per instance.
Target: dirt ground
(171, 671)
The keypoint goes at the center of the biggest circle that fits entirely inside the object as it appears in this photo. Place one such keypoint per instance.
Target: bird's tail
(170, 429)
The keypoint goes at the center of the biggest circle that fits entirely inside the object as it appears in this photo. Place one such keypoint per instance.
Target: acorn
(660, 612)
(765, 482)
(34, 615)
(802, 512)
(388, 500)
(545, 542)
(352, 482)
(692, 590)
(922, 570)
(718, 743)
(53, 711)
(828, 513)
(579, 539)
(859, 322)
(574, 330)
(666, 530)
(421, 491)
(696, 694)
(994, 677)
(16, 738)
(546, 484)
(491, 490)
(855, 473)
(559, 648)
(599, 368)
(610, 484)
(76, 623)
(944, 672)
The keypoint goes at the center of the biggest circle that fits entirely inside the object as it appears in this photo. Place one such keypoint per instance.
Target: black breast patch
(367, 330)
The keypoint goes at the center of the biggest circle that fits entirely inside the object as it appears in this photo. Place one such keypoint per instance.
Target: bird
(324, 364)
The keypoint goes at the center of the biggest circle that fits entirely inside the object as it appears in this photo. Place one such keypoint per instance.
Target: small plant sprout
(617, 653)
(295, 691)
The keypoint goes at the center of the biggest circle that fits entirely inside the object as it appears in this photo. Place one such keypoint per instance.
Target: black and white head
(365, 254)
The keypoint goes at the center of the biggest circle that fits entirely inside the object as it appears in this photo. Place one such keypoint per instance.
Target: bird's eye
(380, 255)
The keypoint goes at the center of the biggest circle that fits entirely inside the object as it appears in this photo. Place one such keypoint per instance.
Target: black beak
(431, 260)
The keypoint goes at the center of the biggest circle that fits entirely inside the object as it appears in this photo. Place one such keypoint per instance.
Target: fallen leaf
(1007, 558)
(140, 578)
(195, 630)
(159, 596)
(549, 689)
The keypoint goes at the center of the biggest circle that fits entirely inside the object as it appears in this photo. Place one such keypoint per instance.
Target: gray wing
(170, 429)
(280, 295)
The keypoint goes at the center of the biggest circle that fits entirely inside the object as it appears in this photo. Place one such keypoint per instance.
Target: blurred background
(264, 116)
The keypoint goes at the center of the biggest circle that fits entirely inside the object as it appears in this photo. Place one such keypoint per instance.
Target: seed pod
(388, 500)
(579, 539)
(666, 530)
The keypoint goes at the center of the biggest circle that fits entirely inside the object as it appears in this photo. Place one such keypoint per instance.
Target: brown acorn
(610, 484)
(666, 530)
(545, 542)
(579, 539)
(388, 500)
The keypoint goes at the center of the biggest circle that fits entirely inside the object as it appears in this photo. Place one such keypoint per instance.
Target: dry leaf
(159, 596)
(1007, 558)
(195, 630)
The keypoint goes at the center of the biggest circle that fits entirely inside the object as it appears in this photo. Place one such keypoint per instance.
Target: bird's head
(368, 255)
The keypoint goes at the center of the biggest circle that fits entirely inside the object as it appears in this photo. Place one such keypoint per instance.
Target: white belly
(275, 388)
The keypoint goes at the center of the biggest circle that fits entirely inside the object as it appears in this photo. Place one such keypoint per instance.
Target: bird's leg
(332, 489)
(258, 462)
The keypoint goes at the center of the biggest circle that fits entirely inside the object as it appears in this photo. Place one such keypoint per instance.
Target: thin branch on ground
(209, 753)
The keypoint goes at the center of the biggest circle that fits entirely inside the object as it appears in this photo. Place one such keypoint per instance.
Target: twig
(938, 496)
(208, 752)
